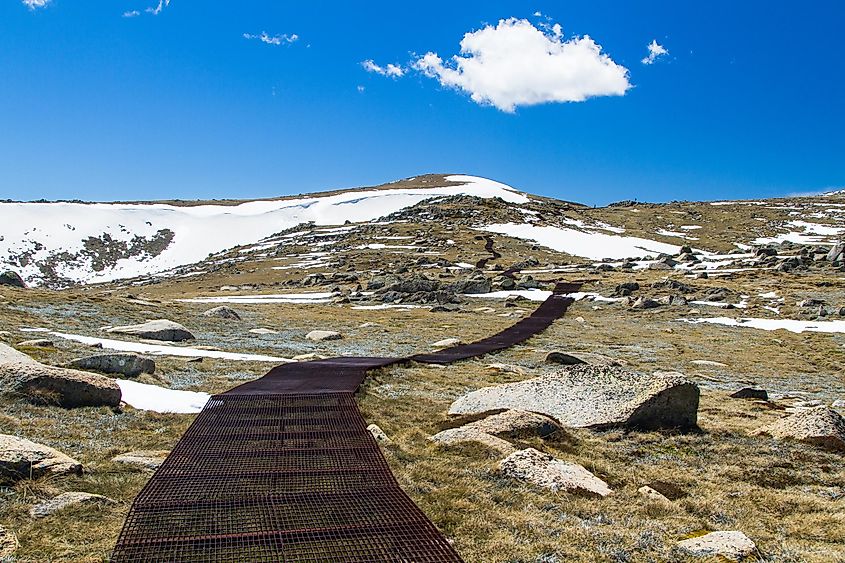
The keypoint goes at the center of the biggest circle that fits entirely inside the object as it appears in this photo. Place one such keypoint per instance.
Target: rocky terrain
(689, 405)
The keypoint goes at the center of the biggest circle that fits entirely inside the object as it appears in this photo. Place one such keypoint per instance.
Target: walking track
(283, 469)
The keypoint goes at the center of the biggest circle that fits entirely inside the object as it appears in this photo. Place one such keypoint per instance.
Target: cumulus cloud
(162, 4)
(35, 4)
(517, 64)
(655, 50)
(131, 14)
(391, 70)
(264, 37)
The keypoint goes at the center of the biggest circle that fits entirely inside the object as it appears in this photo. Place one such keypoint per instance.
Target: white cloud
(361, 89)
(391, 70)
(131, 14)
(516, 64)
(34, 4)
(264, 37)
(162, 4)
(655, 50)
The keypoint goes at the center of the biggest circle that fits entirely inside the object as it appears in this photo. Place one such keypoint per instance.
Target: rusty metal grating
(284, 469)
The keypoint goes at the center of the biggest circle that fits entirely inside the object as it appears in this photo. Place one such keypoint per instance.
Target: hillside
(724, 295)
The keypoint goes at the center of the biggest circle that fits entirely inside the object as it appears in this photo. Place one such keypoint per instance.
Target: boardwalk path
(283, 469)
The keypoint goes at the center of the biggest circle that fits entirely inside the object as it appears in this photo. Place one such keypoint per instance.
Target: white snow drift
(776, 324)
(39, 231)
(587, 244)
(160, 399)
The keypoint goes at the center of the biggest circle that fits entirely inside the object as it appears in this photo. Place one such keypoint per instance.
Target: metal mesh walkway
(283, 468)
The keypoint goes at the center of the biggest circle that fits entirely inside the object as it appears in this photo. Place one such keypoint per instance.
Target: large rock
(130, 365)
(454, 436)
(588, 396)
(837, 253)
(516, 424)
(160, 329)
(732, 545)
(322, 335)
(819, 426)
(67, 500)
(8, 542)
(23, 459)
(20, 375)
(12, 278)
(563, 359)
(545, 471)
(223, 312)
(145, 459)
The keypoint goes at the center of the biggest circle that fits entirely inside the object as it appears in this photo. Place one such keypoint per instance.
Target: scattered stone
(545, 471)
(837, 253)
(8, 542)
(751, 393)
(563, 359)
(38, 343)
(819, 426)
(446, 343)
(378, 434)
(262, 331)
(308, 357)
(20, 375)
(145, 459)
(454, 436)
(625, 289)
(516, 424)
(731, 545)
(322, 335)
(160, 329)
(651, 494)
(838, 404)
(588, 396)
(67, 500)
(668, 490)
(223, 312)
(645, 303)
(130, 365)
(22, 459)
(12, 279)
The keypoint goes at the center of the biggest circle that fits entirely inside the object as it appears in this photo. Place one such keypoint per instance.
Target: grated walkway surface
(283, 469)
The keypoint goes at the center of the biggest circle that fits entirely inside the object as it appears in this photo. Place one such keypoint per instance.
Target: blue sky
(190, 102)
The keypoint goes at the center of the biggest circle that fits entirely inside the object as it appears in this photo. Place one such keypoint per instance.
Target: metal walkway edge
(283, 468)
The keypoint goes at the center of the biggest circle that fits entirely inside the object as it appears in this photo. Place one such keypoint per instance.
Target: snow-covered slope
(76, 242)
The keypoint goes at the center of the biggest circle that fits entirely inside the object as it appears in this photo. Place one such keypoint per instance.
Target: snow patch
(160, 399)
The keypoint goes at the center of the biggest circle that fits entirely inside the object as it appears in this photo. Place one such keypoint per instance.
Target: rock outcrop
(323, 335)
(67, 500)
(820, 426)
(731, 545)
(546, 471)
(23, 459)
(159, 329)
(516, 424)
(12, 279)
(378, 434)
(130, 365)
(20, 375)
(223, 312)
(588, 396)
(454, 436)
